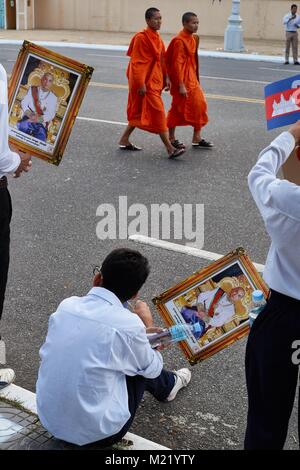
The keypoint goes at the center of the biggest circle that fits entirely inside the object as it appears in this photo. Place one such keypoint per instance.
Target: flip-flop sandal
(176, 153)
(177, 144)
(131, 147)
(203, 144)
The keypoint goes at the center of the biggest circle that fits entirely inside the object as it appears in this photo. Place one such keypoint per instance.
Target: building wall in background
(2, 14)
(261, 18)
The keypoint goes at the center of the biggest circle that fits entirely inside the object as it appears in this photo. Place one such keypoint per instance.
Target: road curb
(119, 48)
(27, 399)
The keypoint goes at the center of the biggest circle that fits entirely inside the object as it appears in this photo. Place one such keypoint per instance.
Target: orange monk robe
(182, 66)
(146, 67)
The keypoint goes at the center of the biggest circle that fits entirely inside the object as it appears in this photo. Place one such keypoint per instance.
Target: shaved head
(150, 13)
(188, 16)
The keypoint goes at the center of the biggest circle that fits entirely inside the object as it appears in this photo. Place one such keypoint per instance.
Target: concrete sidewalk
(207, 43)
(20, 428)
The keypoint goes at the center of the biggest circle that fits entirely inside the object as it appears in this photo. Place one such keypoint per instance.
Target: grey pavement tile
(22, 431)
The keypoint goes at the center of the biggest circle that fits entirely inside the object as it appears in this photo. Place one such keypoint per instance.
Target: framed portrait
(219, 298)
(44, 96)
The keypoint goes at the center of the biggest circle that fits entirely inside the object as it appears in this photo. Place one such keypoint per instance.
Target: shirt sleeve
(138, 358)
(27, 101)
(9, 161)
(286, 19)
(207, 296)
(50, 111)
(225, 315)
(272, 195)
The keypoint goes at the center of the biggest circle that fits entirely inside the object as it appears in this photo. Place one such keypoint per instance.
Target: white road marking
(295, 70)
(107, 55)
(259, 82)
(116, 123)
(202, 76)
(235, 80)
(188, 250)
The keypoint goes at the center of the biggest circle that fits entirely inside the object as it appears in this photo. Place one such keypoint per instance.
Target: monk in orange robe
(146, 75)
(188, 106)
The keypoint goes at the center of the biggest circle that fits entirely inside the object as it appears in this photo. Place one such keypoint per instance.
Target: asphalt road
(54, 244)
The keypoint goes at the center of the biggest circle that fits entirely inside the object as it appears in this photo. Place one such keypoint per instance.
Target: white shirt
(48, 103)
(92, 342)
(291, 25)
(223, 311)
(9, 161)
(279, 204)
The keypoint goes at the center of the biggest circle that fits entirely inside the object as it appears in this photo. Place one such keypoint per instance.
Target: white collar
(106, 295)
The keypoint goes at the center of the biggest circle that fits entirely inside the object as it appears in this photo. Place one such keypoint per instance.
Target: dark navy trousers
(160, 388)
(5, 217)
(35, 129)
(272, 367)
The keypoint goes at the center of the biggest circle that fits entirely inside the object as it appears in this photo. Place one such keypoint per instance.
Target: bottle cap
(197, 327)
(257, 296)
(178, 332)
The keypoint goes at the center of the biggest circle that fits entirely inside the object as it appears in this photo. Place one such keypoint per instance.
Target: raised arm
(270, 192)
(286, 19)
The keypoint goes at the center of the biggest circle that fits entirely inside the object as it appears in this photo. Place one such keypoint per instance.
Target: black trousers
(271, 374)
(160, 388)
(5, 217)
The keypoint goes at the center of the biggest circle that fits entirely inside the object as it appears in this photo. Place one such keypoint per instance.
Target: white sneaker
(7, 376)
(182, 379)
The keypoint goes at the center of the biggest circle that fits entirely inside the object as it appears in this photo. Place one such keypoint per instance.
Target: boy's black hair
(124, 272)
(150, 12)
(294, 5)
(187, 16)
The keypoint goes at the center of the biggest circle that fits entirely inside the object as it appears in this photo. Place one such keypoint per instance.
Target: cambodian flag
(282, 100)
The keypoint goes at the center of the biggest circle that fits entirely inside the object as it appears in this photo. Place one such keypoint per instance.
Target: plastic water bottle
(258, 304)
(173, 334)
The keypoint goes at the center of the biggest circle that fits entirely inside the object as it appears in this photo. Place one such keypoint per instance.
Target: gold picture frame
(44, 96)
(218, 296)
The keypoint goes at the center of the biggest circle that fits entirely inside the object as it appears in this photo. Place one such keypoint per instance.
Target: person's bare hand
(142, 90)
(183, 90)
(154, 329)
(163, 346)
(143, 311)
(295, 131)
(158, 329)
(25, 164)
(13, 148)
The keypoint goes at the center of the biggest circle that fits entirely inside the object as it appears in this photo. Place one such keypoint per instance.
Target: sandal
(131, 147)
(176, 153)
(203, 144)
(177, 144)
